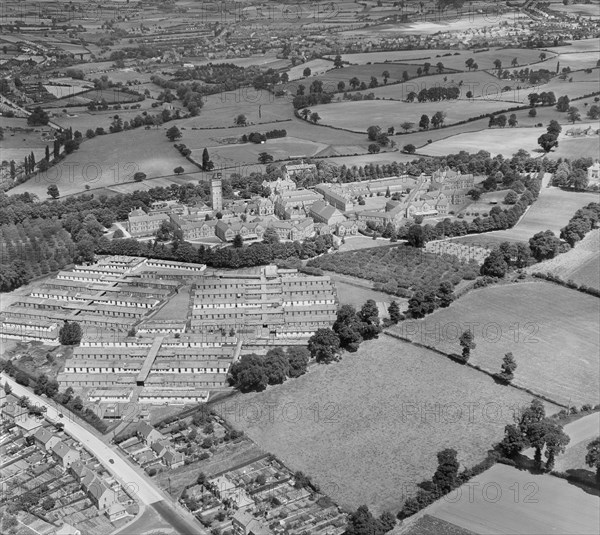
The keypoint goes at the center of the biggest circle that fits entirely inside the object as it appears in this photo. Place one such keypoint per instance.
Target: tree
(53, 191)
(70, 333)
(512, 120)
(173, 133)
(509, 365)
(305, 113)
(445, 477)
(594, 112)
(424, 122)
(394, 312)
(573, 114)
(341, 85)
(373, 148)
(264, 158)
(373, 132)
(407, 125)
(354, 82)
(438, 119)
(348, 328)
(592, 457)
(556, 442)
(306, 72)
(238, 241)
(324, 346)
(386, 76)
(369, 315)
(415, 236)
(532, 112)
(469, 63)
(71, 146)
(248, 374)
(544, 245)
(562, 103)
(445, 294)
(38, 117)
(337, 62)
(270, 236)
(547, 142)
(276, 366)
(440, 67)
(298, 358)
(178, 170)
(498, 64)
(315, 117)
(207, 164)
(467, 343)
(241, 120)
(554, 128)
(409, 148)
(511, 197)
(362, 522)
(139, 176)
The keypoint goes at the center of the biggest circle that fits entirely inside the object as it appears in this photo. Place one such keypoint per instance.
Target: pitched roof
(62, 450)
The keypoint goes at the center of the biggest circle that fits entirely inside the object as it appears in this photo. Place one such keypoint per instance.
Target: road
(135, 483)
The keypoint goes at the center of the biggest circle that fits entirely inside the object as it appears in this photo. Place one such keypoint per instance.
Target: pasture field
(331, 78)
(485, 60)
(582, 45)
(108, 161)
(579, 60)
(356, 413)
(588, 147)
(552, 211)
(581, 264)
(81, 118)
(506, 141)
(380, 158)
(317, 67)
(544, 504)
(551, 331)
(480, 83)
(358, 116)
(397, 56)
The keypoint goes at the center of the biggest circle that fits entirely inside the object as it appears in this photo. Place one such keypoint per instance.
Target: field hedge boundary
(566, 283)
(458, 359)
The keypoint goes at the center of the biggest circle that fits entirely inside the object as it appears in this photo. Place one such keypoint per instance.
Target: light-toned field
(552, 211)
(368, 412)
(480, 83)
(551, 331)
(579, 60)
(399, 56)
(506, 141)
(316, 66)
(581, 264)
(331, 78)
(485, 60)
(358, 116)
(110, 160)
(506, 500)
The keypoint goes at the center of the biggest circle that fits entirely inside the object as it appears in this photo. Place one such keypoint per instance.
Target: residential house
(99, 494)
(593, 172)
(173, 459)
(347, 228)
(243, 523)
(160, 447)
(279, 186)
(116, 511)
(148, 434)
(65, 455)
(45, 438)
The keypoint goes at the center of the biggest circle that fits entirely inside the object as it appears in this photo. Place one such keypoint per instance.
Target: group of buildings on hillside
(296, 214)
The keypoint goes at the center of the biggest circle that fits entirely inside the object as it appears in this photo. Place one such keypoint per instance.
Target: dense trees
(362, 522)
(592, 457)
(533, 429)
(544, 245)
(38, 117)
(394, 312)
(70, 333)
(252, 373)
(324, 346)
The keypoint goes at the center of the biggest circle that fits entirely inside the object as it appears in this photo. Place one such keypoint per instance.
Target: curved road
(121, 470)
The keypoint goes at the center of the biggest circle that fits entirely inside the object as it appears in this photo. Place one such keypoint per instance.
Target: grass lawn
(368, 412)
(551, 331)
(331, 78)
(519, 502)
(108, 161)
(552, 211)
(358, 116)
(581, 264)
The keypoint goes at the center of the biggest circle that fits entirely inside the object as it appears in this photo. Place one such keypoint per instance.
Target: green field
(551, 331)
(331, 78)
(110, 160)
(581, 264)
(506, 500)
(369, 412)
(358, 116)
